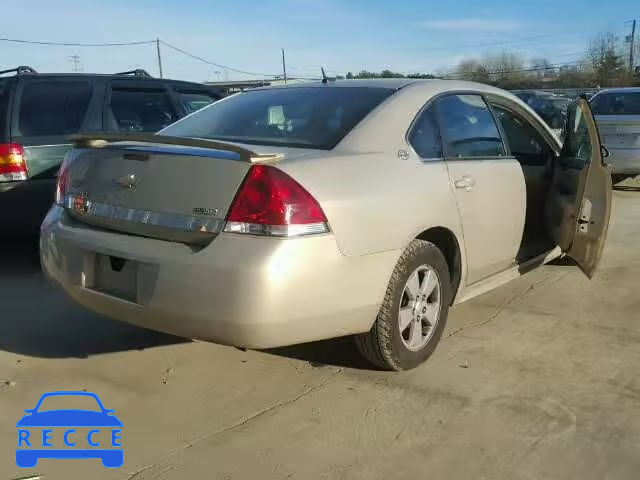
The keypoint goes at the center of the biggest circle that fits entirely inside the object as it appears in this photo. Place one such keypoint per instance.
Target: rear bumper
(240, 290)
(23, 205)
(624, 160)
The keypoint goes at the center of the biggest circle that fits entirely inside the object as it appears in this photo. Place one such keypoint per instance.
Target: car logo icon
(36, 432)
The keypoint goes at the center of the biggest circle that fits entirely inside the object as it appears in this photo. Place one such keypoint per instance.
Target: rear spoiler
(97, 140)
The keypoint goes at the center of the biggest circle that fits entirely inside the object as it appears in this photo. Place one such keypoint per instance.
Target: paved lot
(537, 380)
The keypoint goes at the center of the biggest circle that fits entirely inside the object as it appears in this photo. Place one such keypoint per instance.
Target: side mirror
(605, 151)
(28, 410)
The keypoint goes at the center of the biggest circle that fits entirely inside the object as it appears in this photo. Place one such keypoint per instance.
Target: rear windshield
(308, 117)
(624, 103)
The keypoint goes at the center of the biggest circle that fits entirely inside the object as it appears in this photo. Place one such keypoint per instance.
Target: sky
(340, 35)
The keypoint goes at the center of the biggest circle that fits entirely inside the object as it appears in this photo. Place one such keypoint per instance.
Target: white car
(617, 114)
(291, 214)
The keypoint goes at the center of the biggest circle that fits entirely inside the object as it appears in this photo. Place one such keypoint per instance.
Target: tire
(385, 345)
(619, 177)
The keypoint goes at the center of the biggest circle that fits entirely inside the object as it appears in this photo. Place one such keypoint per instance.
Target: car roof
(423, 85)
(391, 83)
(133, 78)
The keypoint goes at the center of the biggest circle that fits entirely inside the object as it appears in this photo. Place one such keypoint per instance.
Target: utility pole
(284, 67)
(75, 60)
(159, 58)
(632, 45)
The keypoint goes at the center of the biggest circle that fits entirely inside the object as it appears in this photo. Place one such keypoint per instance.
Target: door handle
(465, 182)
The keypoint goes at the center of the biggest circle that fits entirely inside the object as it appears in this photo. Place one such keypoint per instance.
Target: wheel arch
(448, 244)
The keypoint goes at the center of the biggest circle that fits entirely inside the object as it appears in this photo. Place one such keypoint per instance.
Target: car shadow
(338, 352)
(626, 188)
(563, 261)
(38, 319)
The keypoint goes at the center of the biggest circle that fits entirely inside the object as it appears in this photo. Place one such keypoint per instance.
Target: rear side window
(424, 136)
(53, 108)
(616, 103)
(140, 110)
(308, 117)
(468, 128)
(194, 101)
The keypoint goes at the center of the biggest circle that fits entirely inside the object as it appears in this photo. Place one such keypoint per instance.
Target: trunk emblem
(205, 211)
(129, 181)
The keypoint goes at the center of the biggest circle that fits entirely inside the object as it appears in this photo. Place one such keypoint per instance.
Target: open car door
(580, 197)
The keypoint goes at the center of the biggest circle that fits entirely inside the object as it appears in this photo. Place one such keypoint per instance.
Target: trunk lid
(619, 131)
(168, 190)
(171, 188)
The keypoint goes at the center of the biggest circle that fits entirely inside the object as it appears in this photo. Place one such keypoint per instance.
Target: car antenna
(324, 76)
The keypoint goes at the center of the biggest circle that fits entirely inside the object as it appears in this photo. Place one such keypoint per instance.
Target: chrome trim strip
(277, 230)
(177, 221)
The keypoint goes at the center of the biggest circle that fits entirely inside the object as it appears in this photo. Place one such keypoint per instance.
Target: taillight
(13, 165)
(270, 202)
(63, 183)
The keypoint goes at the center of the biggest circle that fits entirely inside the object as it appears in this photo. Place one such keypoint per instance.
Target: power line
(503, 42)
(284, 68)
(62, 44)
(145, 42)
(632, 40)
(75, 61)
(516, 40)
(452, 73)
(216, 64)
(159, 56)
(201, 59)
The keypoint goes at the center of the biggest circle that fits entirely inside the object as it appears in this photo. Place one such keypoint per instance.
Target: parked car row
(39, 111)
(552, 108)
(297, 213)
(617, 114)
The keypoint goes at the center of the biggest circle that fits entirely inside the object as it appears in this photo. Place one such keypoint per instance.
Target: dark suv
(38, 112)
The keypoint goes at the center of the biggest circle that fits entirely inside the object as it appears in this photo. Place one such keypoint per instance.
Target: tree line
(384, 74)
(605, 63)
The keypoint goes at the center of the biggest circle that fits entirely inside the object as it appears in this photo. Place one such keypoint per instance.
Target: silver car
(291, 214)
(617, 114)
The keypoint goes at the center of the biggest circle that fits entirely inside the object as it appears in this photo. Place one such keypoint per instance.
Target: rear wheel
(414, 311)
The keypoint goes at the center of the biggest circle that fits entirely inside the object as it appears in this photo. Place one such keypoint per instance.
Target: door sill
(507, 275)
